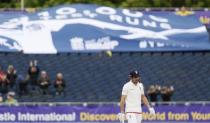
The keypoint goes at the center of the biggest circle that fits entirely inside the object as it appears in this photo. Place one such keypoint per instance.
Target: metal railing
(113, 103)
(136, 9)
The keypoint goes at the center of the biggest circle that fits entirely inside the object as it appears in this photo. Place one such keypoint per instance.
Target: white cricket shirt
(133, 93)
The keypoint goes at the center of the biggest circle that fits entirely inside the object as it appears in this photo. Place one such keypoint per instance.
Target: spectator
(2, 73)
(1, 99)
(4, 84)
(183, 11)
(59, 84)
(22, 84)
(11, 76)
(33, 73)
(44, 83)
(10, 99)
(153, 92)
(166, 93)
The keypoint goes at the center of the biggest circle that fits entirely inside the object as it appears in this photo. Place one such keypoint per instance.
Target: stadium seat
(98, 77)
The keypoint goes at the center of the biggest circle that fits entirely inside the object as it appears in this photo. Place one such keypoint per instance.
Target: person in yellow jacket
(10, 99)
(184, 12)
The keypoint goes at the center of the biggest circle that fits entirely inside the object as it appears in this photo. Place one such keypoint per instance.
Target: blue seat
(97, 77)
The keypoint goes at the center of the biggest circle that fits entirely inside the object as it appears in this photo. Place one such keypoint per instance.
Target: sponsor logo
(104, 43)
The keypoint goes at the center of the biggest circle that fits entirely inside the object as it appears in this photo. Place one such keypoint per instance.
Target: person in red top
(2, 73)
(4, 83)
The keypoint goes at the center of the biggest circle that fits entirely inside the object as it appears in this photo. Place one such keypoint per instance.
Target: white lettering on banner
(106, 10)
(66, 11)
(146, 23)
(77, 43)
(7, 116)
(117, 18)
(101, 43)
(127, 16)
(154, 44)
(46, 117)
(104, 43)
(89, 13)
(160, 44)
(143, 44)
(132, 32)
(76, 15)
(60, 17)
(150, 44)
(165, 26)
(135, 21)
(44, 15)
(135, 15)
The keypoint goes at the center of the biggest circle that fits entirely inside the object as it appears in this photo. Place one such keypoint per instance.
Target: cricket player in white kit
(132, 96)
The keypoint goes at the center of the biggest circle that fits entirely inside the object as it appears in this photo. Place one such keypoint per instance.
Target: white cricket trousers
(134, 117)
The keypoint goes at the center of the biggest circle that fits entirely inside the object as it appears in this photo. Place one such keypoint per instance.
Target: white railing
(114, 103)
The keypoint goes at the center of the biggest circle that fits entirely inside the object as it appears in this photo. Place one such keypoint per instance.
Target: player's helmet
(134, 74)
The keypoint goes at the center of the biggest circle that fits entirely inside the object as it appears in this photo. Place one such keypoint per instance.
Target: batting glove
(152, 110)
(121, 117)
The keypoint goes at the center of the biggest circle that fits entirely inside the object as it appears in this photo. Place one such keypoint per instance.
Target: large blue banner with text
(90, 28)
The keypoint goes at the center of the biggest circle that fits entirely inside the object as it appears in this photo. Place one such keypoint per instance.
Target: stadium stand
(98, 77)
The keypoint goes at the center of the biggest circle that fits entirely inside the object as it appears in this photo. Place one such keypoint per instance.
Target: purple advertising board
(101, 113)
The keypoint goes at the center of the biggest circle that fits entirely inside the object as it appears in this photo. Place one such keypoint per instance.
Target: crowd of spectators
(12, 83)
(39, 81)
(154, 91)
(165, 92)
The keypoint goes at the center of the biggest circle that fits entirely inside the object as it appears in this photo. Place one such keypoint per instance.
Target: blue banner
(90, 28)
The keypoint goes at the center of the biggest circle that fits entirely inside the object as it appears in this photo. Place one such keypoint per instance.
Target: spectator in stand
(44, 83)
(183, 11)
(4, 84)
(2, 73)
(166, 93)
(153, 92)
(59, 84)
(22, 85)
(11, 99)
(11, 76)
(1, 99)
(33, 73)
